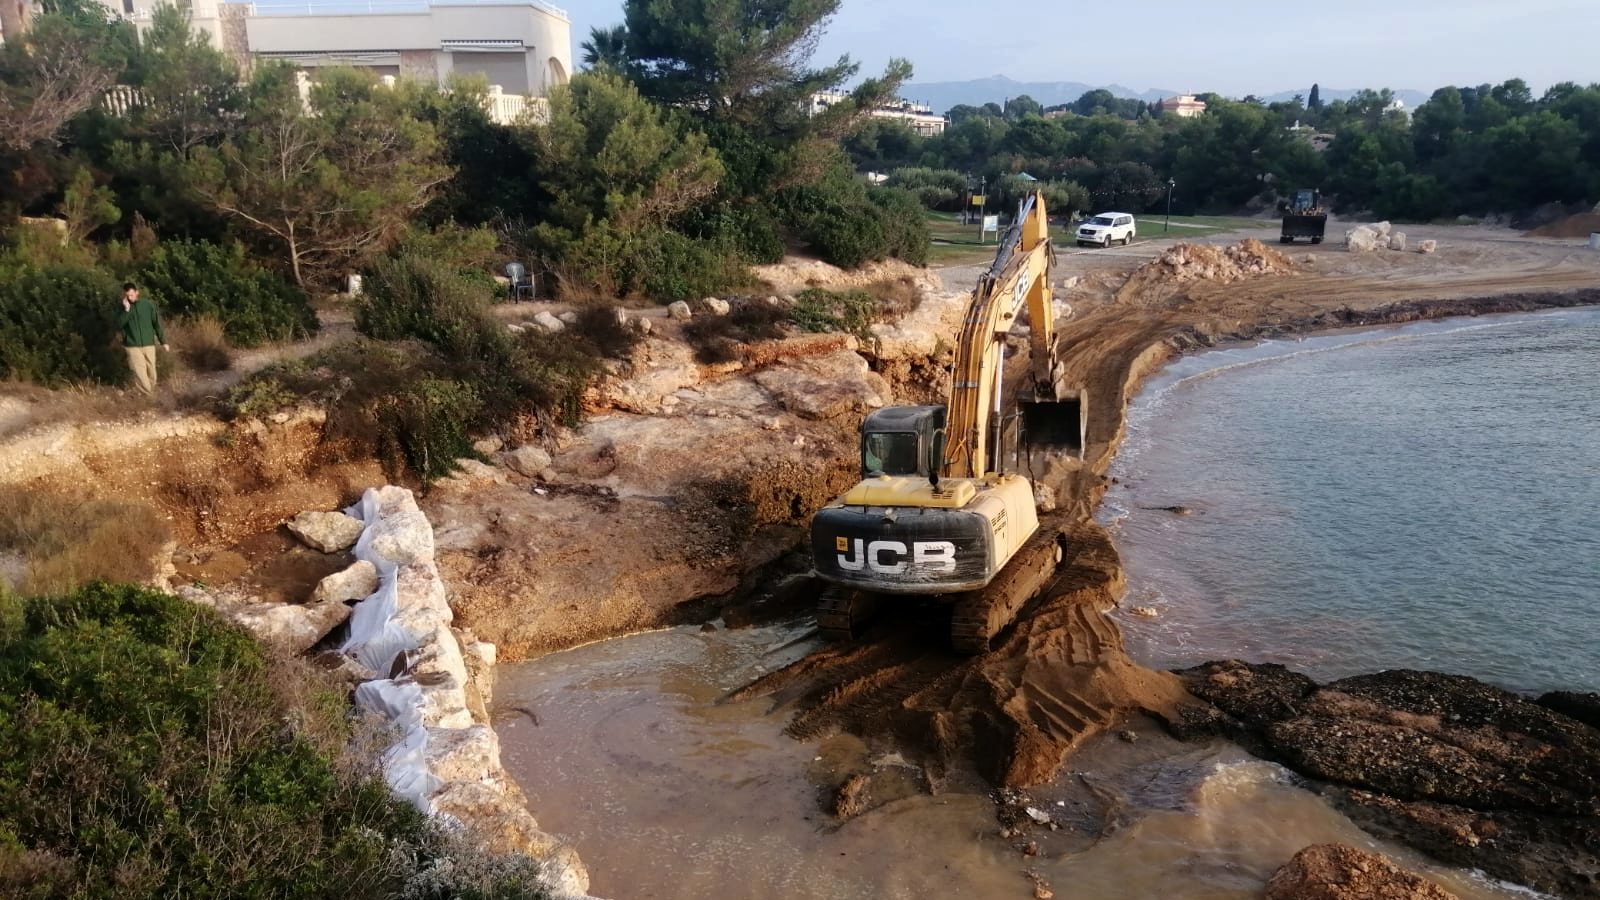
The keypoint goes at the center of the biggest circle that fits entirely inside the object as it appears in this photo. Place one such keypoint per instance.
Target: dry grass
(895, 297)
(201, 344)
(25, 406)
(66, 541)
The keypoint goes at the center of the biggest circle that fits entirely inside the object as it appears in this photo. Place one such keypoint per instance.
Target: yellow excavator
(937, 512)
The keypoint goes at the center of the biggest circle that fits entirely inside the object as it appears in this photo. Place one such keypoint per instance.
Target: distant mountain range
(942, 95)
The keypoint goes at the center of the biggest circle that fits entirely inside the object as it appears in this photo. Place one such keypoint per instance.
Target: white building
(524, 46)
(1184, 106)
(919, 117)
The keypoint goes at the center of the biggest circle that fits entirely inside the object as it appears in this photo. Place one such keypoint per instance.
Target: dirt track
(1061, 673)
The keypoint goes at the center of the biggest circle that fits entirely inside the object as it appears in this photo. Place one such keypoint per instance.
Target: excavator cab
(902, 440)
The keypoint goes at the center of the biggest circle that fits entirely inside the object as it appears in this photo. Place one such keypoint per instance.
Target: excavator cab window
(892, 453)
(901, 440)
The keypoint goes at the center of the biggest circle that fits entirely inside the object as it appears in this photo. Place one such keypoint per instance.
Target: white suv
(1107, 229)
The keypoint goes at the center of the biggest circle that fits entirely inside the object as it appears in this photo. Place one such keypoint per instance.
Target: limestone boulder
(570, 317)
(1397, 241)
(421, 607)
(549, 322)
(528, 460)
(680, 311)
(1363, 239)
(716, 306)
(404, 538)
(329, 532)
(466, 755)
(825, 387)
(289, 627)
(644, 325)
(480, 657)
(488, 445)
(354, 583)
(1427, 246)
(1338, 872)
(502, 824)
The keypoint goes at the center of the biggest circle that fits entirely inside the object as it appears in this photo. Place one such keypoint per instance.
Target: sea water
(1420, 497)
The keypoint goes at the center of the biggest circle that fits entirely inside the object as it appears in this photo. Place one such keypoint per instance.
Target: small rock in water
(1145, 612)
(1038, 815)
(1128, 736)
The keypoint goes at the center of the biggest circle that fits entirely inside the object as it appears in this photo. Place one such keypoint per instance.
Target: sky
(1232, 48)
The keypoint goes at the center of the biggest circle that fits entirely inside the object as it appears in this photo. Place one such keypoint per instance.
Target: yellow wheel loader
(936, 512)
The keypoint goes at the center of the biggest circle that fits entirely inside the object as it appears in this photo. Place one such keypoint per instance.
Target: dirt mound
(796, 274)
(1206, 262)
(1339, 872)
(1579, 226)
(1059, 676)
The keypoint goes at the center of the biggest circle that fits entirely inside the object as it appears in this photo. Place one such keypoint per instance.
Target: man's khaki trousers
(142, 360)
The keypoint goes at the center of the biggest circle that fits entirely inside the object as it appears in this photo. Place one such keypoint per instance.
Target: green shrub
(944, 189)
(428, 424)
(58, 323)
(195, 278)
(847, 311)
(682, 268)
(905, 229)
(155, 750)
(847, 224)
(657, 263)
(151, 755)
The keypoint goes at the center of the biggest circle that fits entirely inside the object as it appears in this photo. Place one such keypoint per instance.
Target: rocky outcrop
(1338, 872)
(447, 758)
(827, 387)
(329, 532)
(1472, 774)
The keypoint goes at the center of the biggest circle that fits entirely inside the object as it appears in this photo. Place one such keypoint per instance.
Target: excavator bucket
(1059, 425)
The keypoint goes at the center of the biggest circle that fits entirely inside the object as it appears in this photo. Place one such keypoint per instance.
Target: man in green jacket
(141, 332)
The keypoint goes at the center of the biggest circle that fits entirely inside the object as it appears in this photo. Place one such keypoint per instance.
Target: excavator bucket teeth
(1059, 425)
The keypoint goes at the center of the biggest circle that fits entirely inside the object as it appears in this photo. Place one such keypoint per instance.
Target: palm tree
(606, 48)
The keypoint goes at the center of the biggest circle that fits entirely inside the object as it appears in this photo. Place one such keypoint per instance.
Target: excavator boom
(1019, 278)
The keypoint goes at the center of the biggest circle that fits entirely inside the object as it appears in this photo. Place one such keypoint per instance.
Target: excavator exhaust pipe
(1059, 426)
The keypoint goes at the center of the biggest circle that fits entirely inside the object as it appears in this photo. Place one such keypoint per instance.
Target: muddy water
(626, 749)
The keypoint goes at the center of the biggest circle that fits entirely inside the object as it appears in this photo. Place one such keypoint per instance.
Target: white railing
(121, 99)
(379, 7)
(503, 108)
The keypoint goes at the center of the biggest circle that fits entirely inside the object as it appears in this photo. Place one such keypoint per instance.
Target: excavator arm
(1019, 276)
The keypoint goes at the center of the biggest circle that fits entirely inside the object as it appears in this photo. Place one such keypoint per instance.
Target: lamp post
(1171, 183)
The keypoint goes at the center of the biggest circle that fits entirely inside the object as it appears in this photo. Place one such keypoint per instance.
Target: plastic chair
(521, 281)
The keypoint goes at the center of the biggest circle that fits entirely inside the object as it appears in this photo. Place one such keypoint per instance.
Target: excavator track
(980, 615)
(842, 611)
